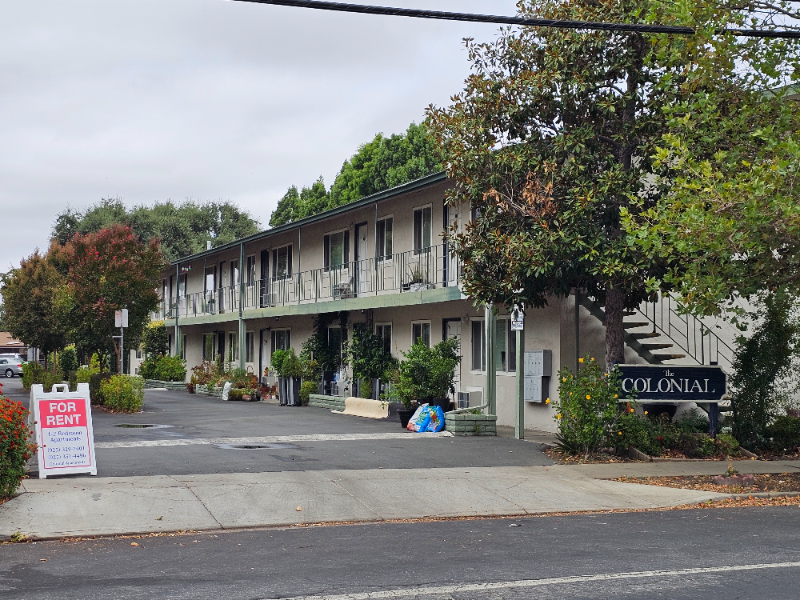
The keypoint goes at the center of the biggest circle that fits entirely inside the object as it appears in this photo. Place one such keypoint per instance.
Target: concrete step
(644, 336)
(663, 357)
(654, 346)
(635, 324)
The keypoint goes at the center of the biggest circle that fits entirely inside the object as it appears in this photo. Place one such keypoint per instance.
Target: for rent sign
(672, 384)
(63, 424)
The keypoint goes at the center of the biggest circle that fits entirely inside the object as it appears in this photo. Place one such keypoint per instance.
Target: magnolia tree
(558, 140)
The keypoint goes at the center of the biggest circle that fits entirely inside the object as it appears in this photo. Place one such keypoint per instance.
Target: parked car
(11, 364)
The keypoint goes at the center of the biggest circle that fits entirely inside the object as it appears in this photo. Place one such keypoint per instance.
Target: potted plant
(416, 279)
(400, 391)
(290, 370)
(368, 358)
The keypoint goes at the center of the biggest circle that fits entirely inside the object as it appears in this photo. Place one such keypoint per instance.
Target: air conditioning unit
(463, 400)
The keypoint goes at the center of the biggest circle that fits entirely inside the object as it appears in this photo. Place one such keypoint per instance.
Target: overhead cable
(522, 21)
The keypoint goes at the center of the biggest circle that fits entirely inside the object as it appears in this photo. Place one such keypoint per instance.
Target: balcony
(413, 271)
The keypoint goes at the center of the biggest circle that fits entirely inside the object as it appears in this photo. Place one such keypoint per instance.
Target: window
(233, 347)
(250, 274)
(336, 339)
(182, 285)
(282, 262)
(208, 346)
(183, 347)
(505, 346)
(234, 273)
(336, 249)
(383, 239)
(281, 339)
(478, 347)
(139, 352)
(384, 331)
(422, 229)
(211, 279)
(421, 330)
(249, 346)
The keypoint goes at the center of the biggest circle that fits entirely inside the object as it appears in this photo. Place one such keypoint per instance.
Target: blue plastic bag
(420, 420)
(436, 419)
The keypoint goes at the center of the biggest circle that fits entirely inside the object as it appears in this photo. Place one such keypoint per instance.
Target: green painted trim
(447, 294)
(385, 195)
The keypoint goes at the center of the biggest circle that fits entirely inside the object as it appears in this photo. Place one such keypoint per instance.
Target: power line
(504, 20)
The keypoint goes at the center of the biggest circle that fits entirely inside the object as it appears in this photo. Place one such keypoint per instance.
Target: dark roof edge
(411, 186)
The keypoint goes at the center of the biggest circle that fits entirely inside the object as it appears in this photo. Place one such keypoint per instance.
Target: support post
(491, 368)
(121, 350)
(713, 419)
(177, 309)
(242, 327)
(519, 423)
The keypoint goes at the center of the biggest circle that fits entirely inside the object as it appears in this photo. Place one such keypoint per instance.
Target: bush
(205, 373)
(587, 408)
(84, 374)
(16, 447)
(33, 373)
(96, 387)
(424, 374)
(68, 361)
(123, 393)
(784, 434)
(163, 368)
(306, 389)
(155, 339)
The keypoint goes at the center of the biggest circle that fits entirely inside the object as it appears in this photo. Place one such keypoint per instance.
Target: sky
(152, 100)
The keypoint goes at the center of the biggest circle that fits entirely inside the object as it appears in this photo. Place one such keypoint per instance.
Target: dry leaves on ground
(768, 482)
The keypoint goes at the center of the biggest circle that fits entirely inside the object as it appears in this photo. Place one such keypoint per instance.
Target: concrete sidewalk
(86, 506)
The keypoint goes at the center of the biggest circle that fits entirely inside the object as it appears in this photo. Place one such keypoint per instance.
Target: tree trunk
(615, 340)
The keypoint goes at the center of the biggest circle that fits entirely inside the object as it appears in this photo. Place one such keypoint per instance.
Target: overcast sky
(150, 100)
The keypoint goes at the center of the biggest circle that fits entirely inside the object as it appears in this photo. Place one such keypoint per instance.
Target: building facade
(383, 262)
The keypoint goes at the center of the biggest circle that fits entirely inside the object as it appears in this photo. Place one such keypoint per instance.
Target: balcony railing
(412, 271)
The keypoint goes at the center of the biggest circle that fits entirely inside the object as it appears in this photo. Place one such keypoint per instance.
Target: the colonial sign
(672, 383)
(63, 424)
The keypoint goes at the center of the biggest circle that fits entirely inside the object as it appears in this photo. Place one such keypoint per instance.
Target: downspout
(177, 309)
(242, 329)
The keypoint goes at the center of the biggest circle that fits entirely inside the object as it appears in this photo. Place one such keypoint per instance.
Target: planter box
(469, 424)
(170, 385)
(329, 402)
(205, 390)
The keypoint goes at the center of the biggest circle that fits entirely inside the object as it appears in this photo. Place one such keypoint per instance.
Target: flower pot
(405, 415)
(443, 403)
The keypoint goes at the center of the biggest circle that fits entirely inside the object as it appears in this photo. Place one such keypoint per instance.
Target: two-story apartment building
(384, 261)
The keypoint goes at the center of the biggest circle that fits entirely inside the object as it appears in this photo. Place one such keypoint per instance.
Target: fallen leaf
(299, 509)
(134, 544)
(159, 518)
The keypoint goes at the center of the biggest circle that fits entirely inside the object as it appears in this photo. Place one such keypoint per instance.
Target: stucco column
(242, 325)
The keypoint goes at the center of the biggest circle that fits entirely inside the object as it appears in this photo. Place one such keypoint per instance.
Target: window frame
(327, 256)
(510, 342)
(380, 238)
(249, 346)
(422, 323)
(275, 262)
(418, 237)
(383, 327)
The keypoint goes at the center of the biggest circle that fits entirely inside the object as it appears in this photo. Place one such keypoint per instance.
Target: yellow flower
(564, 379)
(645, 412)
(592, 359)
(620, 433)
(547, 401)
(558, 416)
(588, 397)
(580, 360)
(616, 395)
(630, 409)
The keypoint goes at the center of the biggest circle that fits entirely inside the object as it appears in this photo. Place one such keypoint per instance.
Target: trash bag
(420, 420)
(436, 423)
(226, 390)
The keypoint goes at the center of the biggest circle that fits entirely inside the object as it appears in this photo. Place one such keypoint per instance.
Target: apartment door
(452, 329)
(450, 261)
(264, 283)
(362, 263)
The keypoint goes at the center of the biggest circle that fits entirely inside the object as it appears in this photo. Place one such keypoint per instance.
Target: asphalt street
(181, 417)
(680, 554)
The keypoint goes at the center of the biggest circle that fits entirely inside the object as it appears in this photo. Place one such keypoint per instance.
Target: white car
(11, 364)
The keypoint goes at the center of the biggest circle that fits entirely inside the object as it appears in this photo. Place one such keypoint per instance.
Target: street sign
(121, 318)
(672, 383)
(62, 421)
(517, 320)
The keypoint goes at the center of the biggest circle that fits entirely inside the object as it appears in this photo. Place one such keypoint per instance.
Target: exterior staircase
(660, 334)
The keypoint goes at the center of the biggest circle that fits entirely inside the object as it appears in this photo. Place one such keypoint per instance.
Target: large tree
(105, 272)
(381, 164)
(182, 228)
(555, 140)
(33, 297)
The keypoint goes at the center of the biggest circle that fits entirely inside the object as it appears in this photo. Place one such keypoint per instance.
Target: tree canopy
(381, 164)
(182, 228)
(559, 134)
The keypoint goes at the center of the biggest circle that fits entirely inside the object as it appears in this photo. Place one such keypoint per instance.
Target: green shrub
(33, 373)
(277, 360)
(235, 394)
(727, 445)
(155, 339)
(68, 360)
(84, 374)
(123, 393)
(287, 363)
(95, 387)
(16, 447)
(692, 422)
(163, 368)
(784, 434)
(587, 408)
(306, 389)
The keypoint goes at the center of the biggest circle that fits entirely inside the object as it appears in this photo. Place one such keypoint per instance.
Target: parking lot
(194, 434)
